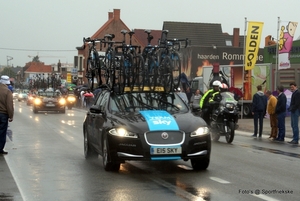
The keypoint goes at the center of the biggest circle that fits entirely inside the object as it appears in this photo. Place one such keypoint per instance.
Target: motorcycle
(224, 118)
(71, 100)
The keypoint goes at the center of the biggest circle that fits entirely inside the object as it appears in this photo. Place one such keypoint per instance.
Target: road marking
(219, 180)
(264, 197)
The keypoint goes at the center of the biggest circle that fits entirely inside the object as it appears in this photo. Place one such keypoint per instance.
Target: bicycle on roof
(132, 65)
(93, 62)
(110, 73)
(151, 63)
(170, 60)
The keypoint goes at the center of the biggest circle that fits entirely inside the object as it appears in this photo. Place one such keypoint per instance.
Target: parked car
(147, 127)
(22, 97)
(49, 101)
(15, 95)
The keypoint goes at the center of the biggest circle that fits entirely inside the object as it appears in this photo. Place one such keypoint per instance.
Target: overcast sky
(53, 29)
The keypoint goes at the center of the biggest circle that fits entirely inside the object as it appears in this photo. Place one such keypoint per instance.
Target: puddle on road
(274, 151)
(201, 193)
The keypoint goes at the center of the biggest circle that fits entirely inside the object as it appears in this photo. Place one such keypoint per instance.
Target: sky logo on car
(159, 120)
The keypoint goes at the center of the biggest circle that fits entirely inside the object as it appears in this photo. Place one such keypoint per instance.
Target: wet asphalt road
(46, 162)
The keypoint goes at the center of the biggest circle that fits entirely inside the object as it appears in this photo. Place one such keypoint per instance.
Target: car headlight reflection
(37, 101)
(62, 101)
(200, 131)
(121, 132)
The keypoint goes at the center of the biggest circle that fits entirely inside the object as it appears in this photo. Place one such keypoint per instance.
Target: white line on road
(219, 180)
(264, 197)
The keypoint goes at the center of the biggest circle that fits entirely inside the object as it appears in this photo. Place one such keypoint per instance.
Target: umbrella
(83, 88)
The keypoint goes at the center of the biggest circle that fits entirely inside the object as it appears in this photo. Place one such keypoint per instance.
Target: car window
(102, 99)
(135, 102)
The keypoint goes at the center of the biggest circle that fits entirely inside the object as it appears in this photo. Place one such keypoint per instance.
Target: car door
(99, 119)
(91, 120)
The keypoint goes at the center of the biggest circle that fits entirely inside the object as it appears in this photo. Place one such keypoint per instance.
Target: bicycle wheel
(165, 74)
(152, 73)
(176, 71)
(89, 74)
(127, 70)
(138, 73)
(119, 79)
(111, 69)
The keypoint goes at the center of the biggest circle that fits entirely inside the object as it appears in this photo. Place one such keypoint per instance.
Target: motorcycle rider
(204, 102)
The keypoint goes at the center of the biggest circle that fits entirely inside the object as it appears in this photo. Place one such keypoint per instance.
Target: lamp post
(9, 58)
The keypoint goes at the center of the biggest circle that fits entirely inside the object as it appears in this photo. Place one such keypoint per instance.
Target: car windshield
(135, 102)
(49, 94)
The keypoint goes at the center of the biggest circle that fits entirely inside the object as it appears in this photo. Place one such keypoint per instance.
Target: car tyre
(88, 152)
(106, 158)
(200, 164)
(35, 111)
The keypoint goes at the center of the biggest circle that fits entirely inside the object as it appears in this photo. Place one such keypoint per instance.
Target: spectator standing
(6, 110)
(280, 111)
(195, 99)
(271, 106)
(259, 106)
(89, 97)
(294, 109)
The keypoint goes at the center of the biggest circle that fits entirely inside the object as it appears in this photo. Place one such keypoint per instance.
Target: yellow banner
(69, 78)
(252, 43)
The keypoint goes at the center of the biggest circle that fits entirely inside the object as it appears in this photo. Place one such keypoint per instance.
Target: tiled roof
(199, 34)
(38, 67)
(142, 36)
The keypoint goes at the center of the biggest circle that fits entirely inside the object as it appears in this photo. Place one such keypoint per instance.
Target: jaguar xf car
(144, 126)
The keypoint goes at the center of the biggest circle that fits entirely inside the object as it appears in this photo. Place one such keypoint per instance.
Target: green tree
(9, 72)
(36, 59)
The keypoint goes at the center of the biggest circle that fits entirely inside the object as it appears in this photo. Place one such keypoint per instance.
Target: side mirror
(95, 109)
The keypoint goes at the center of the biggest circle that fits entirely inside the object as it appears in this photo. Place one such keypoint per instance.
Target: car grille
(164, 137)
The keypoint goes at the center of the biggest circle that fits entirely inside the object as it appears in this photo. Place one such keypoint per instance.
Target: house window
(228, 42)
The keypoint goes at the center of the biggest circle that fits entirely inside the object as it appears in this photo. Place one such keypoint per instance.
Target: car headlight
(62, 101)
(121, 132)
(200, 131)
(37, 101)
(20, 95)
(71, 99)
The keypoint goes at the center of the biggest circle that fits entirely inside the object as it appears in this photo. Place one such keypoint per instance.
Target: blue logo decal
(159, 120)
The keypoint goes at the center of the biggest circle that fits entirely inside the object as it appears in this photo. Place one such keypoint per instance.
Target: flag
(252, 44)
(285, 42)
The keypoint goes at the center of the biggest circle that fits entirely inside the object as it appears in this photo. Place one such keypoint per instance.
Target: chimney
(236, 37)
(110, 15)
(117, 14)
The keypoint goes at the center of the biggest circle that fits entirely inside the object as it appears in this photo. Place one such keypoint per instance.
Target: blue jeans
(281, 125)
(294, 125)
(258, 117)
(3, 129)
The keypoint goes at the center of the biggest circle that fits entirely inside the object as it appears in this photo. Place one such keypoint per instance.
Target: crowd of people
(276, 108)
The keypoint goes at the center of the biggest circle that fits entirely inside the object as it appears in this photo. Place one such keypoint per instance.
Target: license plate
(165, 150)
(50, 105)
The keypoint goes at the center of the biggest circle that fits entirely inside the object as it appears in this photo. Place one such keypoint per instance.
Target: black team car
(144, 126)
(49, 101)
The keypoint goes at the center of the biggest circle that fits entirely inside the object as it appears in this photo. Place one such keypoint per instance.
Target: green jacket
(205, 98)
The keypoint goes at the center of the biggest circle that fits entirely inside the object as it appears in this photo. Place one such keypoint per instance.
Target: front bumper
(122, 149)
